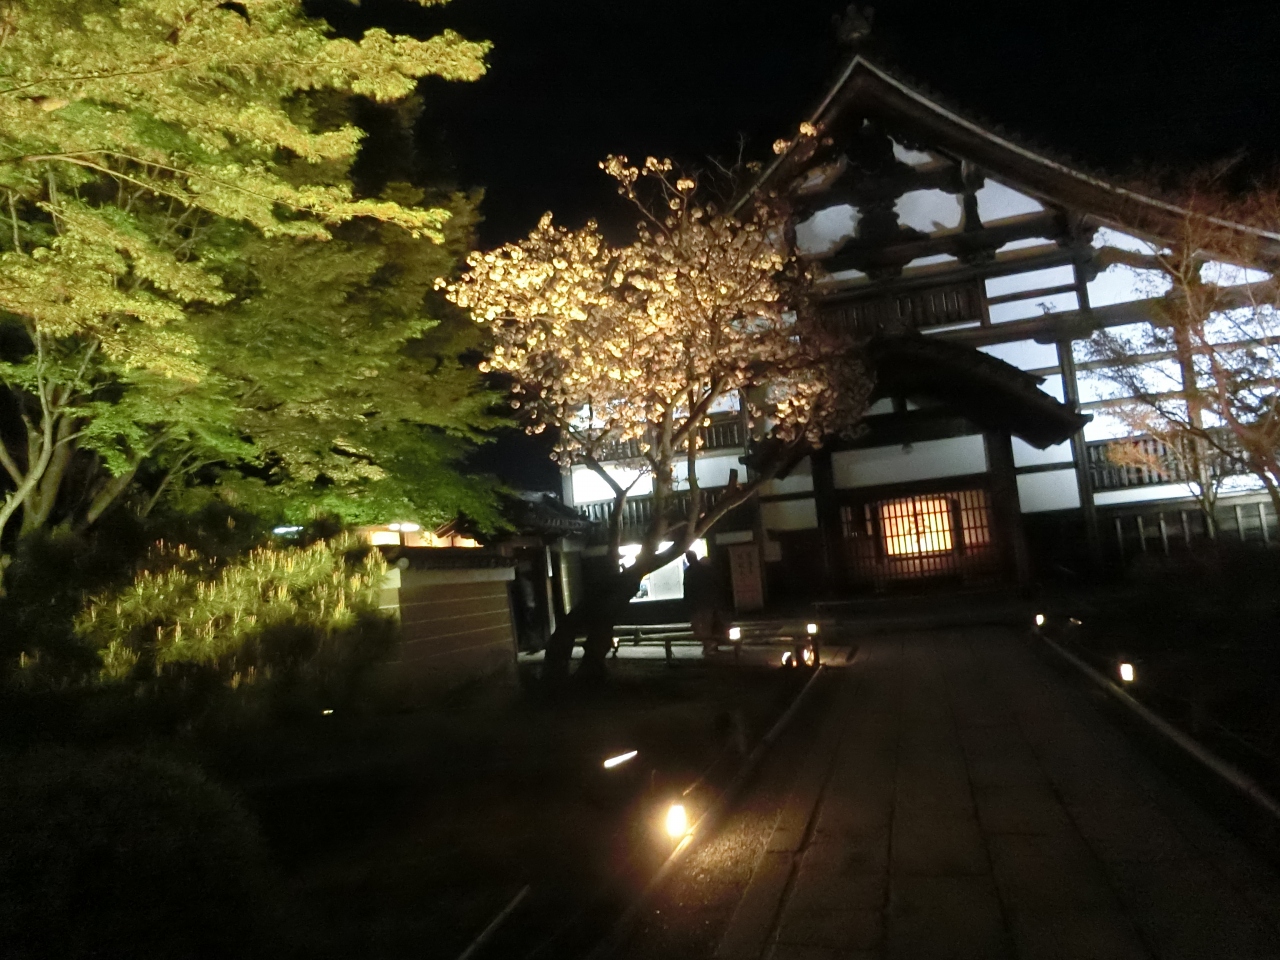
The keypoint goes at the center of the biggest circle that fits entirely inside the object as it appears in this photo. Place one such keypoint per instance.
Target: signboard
(748, 580)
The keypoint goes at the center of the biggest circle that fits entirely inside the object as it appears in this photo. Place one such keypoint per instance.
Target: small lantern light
(809, 656)
(811, 628)
(1039, 619)
(735, 633)
(677, 820)
(1126, 672)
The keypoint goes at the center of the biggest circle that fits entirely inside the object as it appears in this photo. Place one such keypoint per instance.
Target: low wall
(455, 627)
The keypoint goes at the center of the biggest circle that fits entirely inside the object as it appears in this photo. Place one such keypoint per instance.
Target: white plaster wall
(1053, 490)
(954, 456)
(1105, 426)
(1025, 309)
(932, 261)
(1230, 275)
(789, 515)
(1024, 354)
(930, 211)
(1030, 280)
(1163, 491)
(1106, 237)
(1026, 243)
(799, 480)
(826, 230)
(1053, 387)
(914, 158)
(1121, 284)
(589, 487)
(1025, 455)
(998, 202)
(713, 471)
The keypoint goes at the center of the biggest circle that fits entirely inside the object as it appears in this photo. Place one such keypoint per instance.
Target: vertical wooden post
(1079, 446)
(829, 527)
(1006, 505)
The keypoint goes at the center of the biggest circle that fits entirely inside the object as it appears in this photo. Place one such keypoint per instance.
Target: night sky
(1114, 84)
(1119, 86)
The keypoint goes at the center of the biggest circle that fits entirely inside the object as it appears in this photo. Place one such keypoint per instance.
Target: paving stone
(937, 846)
(844, 929)
(957, 918)
(1004, 771)
(1076, 935)
(1049, 872)
(818, 891)
(1020, 809)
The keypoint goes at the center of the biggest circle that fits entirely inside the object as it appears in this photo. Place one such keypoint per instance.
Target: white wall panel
(954, 456)
(1026, 309)
(1025, 455)
(789, 515)
(914, 158)
(1121, 284)
(1052, 490)
(826, 230)
(799, 480)
(1031, 280)
(713, 471)
(1024, 354)
(589, 487)
(930, 211)
(998, 202)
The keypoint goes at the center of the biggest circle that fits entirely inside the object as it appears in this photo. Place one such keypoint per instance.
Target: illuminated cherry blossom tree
(625, 351)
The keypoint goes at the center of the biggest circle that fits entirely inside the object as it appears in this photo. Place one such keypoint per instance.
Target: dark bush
(123, 855)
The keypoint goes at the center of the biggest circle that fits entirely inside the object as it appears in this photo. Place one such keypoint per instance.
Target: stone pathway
(963, 800)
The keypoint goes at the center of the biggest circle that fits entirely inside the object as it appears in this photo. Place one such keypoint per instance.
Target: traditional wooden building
(972, 265)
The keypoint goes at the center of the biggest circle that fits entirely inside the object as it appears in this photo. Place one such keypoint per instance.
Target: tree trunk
(594, 618)
(614, 596)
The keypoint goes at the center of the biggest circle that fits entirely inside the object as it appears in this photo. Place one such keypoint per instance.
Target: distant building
(971, 263)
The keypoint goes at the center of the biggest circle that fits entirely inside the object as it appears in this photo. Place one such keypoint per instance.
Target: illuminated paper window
(917, 525)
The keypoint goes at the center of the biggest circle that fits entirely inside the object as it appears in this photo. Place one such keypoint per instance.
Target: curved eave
(993, 394)
(868, 88)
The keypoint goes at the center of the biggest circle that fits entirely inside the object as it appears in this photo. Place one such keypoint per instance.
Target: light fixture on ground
(677, 820)
(735, 633)
(620, 759)
(811, 628)
(1126, 672)
(1039, 619)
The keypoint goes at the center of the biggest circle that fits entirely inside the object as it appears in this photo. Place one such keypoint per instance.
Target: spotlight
(735, 633)
(808, 656)
(328, 711)
(677, 820)
(620, 759)
(1126, 672)
(410, 527)
(1039, 619)
(811, 628)
(1076, 623)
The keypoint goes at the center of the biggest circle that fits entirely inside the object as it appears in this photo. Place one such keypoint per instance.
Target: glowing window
(916, 525)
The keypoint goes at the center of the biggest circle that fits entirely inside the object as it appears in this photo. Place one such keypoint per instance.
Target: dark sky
(1115, 84)
(1112, 83)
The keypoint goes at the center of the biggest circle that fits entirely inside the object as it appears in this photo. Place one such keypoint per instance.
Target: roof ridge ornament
(854, 27)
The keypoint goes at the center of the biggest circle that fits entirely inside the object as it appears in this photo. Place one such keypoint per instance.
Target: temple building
(974, 268)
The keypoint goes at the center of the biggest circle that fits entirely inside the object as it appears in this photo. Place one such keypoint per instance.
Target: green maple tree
(189, 276)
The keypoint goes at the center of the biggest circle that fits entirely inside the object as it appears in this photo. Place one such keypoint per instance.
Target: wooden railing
(637, 512)
(909, 310)
(1162, 464)
(723, 433)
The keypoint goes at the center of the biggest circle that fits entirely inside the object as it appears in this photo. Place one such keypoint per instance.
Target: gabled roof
(866, 88)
